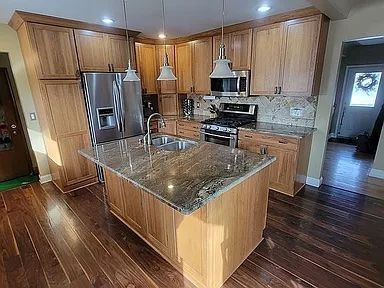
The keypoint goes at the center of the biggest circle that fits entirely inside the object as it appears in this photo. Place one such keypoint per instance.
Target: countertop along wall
(365, 20)
(9, 43)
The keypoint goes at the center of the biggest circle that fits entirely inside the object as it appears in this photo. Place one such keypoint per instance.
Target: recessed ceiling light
(108, 20)
(162, 36)
(264, 8)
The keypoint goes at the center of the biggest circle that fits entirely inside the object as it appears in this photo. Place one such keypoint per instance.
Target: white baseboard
(376, 173)
(45, 178)
(315, 182)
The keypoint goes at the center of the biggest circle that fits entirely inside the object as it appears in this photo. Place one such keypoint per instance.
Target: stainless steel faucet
(147, 137)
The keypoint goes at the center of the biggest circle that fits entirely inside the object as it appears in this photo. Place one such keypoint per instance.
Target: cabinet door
(56, 52)
(146, 67)
(241, 43)
(166, 86)
(169, 104)
(159, 224)
(114, 188)
(266, 59)
(64, 102)
(133, 211)
(300, 56)
(118, 52)
(76, 168)
(91, 51)
(202, 65)
(216, 46)
(184, 67)
(283, 170)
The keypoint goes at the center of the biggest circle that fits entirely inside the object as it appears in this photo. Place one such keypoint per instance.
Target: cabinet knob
(279, 91)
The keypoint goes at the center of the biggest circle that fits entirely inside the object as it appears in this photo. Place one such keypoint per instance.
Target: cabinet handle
(283, 141)
(279, 92)
(247, 136)
(77, 73)
(109, 67)
(275, 89)
(112, 68)
(263, 150)
(191, 89)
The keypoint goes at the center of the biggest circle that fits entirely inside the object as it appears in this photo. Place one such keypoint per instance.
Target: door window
(5, 136)
(365, 89)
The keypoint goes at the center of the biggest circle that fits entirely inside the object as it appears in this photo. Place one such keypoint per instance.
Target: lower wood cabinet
(189, 129)
(289, 171)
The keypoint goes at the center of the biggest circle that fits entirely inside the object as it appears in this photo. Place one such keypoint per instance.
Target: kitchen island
(203, 208)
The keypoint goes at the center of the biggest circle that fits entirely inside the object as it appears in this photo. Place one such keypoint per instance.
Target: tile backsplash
(272, 109)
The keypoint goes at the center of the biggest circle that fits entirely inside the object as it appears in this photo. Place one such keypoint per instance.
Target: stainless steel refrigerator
(115, 108)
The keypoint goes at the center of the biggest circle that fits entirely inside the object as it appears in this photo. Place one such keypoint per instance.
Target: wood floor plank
(33, 269)
(95, 214)
(121, 270)
(306, 270)
(326, 259)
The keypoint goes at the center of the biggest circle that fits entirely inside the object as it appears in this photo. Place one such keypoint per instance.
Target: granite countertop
(279, 129)
(185, 180)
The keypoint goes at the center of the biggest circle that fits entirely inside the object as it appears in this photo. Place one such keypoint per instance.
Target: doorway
(357, 119)
(15, 159)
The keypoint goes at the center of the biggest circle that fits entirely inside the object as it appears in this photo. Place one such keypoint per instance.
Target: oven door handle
(214, 135)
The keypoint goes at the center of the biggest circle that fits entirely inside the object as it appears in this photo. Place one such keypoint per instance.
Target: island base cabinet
(206, 246)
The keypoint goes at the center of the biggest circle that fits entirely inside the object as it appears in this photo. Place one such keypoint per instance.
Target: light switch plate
(32, 115)
(296, 112)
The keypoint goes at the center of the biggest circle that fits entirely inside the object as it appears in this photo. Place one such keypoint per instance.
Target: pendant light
(131, 73)
(166, 73)
(222, 69)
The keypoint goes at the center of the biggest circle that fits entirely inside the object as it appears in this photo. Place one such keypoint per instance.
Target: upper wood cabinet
(184, 62)
(165, 87)
(101, 52)
(287, 58)
(146, 67)
(266, 59)
(193, 63)
(238, 48)
(55, 50)
(299, 58)
(202, 65)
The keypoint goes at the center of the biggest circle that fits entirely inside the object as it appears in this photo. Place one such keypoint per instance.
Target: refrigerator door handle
(122, 108)
(116, 105)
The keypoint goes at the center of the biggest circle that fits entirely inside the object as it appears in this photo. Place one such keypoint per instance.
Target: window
(365, 88)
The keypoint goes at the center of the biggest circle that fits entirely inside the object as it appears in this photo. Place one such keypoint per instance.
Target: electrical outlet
(32, 115)
(197, 104)
(296, 112)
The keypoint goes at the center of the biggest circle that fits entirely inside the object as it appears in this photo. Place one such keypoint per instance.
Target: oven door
(218, 137)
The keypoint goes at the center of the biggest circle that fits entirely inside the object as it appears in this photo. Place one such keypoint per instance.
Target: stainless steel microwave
(236, 86)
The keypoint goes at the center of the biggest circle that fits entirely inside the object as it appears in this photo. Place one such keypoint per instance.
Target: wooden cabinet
(266, 59)
(184, 67)
(169, 104)
(289, 172)
(114, 189)
(55, 50)
(238, 48)
(287, 58)
(165, 87)
(101, 52)
(202, 65)
(146, 67)
(189, 129)
(170, 127)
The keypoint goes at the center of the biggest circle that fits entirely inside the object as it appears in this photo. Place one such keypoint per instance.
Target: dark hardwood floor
(320, 238)
(347, 169)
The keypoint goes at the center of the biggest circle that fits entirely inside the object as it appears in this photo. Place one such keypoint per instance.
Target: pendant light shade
(222, 69)
(131, 73)
(166, 73)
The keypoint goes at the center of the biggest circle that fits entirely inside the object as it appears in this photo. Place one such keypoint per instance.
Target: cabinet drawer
(188, 133)
(271, 140)
(188, 125)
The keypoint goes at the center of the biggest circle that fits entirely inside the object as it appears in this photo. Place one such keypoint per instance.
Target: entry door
(14, 156)
(363, 96)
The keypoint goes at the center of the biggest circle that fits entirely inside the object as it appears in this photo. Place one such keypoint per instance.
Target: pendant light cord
(126, 32)
(222, 24)
(165, 46)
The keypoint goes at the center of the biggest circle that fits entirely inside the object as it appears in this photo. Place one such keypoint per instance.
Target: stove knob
(215, 128)
(207, 126)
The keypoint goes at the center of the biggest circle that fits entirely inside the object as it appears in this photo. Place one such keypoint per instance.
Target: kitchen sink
(170, 143)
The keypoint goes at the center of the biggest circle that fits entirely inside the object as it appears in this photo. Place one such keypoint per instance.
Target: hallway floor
(347, 169)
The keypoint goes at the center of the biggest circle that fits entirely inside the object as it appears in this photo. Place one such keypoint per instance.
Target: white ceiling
(183, 17)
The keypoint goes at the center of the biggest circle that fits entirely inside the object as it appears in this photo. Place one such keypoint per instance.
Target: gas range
(223, 129)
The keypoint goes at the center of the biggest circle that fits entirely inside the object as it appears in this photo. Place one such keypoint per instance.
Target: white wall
(9, 43)
(365, 20)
